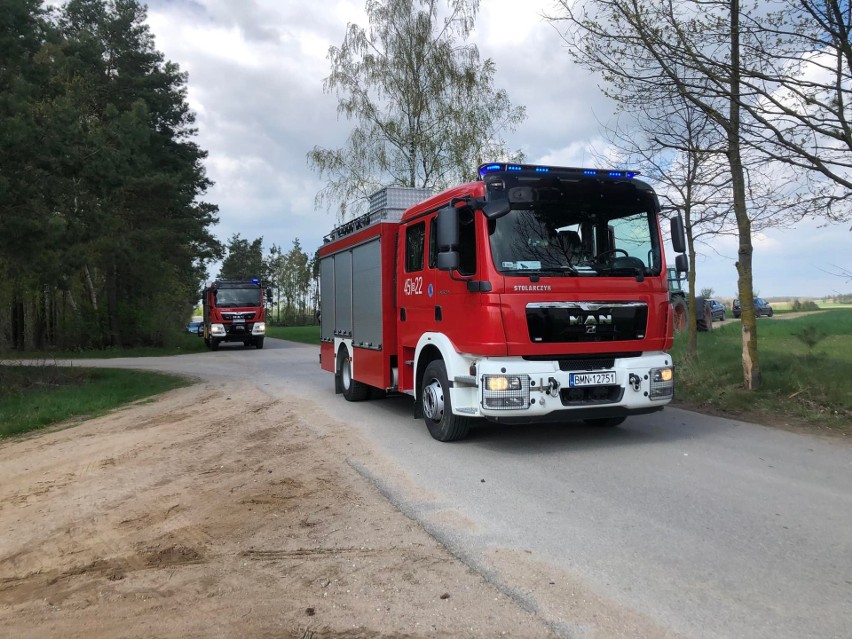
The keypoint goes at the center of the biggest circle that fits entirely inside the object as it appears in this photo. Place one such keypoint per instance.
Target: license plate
(238, 320)
(591, 379)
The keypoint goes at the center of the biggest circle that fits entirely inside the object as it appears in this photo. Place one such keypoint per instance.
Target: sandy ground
(219, 512)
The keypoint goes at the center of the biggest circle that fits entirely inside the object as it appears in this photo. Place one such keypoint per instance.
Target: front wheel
(438, 407)
(214, 344)
(258, 342)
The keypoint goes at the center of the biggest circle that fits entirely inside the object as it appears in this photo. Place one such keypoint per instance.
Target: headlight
(217, 329)
(506, 392)
(259, 328)
(496, 383)
(662, 383)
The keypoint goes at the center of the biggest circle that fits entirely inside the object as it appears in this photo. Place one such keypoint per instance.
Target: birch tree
(425, 106)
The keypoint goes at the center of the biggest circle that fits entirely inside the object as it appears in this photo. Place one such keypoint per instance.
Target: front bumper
(518, 390)
(237, 332)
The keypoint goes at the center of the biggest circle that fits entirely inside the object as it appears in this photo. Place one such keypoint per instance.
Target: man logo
(589, 321)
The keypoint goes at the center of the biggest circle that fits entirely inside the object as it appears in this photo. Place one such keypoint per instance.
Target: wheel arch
(430, 347)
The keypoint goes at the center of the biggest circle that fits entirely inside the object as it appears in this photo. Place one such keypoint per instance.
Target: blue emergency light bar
(535, 168)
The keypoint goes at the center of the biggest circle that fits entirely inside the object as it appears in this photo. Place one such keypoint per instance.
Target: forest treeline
(104, 237)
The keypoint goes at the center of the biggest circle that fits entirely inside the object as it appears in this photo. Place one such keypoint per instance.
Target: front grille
(579, 322)
(586, 364)
(238, 329)
(590, 395)
(246, 315)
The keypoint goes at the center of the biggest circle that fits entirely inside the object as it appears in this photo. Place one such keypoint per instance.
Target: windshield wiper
(550, 270)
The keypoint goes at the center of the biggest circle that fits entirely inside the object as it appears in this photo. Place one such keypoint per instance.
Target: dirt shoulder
(221, 513)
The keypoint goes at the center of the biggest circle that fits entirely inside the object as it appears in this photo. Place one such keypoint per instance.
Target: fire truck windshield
(556, 241)
(237, 297)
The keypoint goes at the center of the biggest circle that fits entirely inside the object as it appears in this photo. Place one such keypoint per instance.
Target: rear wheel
(353, 390)
(605, 422)
(703, 316)
(438, 407)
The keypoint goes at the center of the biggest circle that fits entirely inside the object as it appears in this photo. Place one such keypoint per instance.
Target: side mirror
(269, 296)
(448, 261)
(682, 263)
(678, 236)
(448, 229)
(496, 209)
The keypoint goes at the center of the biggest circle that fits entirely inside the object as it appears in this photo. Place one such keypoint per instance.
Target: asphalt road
(713, 528)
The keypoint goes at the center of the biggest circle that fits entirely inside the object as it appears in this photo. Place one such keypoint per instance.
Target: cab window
(415, 238)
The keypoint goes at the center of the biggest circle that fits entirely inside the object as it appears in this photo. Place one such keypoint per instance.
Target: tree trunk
(90, 287)
(114, 336)
(691, 310)
(751, 362)
(18, 323)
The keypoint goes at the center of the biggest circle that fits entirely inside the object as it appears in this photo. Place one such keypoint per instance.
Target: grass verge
(32, 397)
(180, 344)
(303, 334)
(806, 366)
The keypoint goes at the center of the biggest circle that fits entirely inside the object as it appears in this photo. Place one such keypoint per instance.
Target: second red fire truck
(234, 311)
(535, 293)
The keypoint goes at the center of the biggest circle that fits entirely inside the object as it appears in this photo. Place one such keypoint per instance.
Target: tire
(679, 313)
(769, 314)
(258, 342)
(214, 344)
(703, 317)
(437, 405)
(605, 422)
(353, 390)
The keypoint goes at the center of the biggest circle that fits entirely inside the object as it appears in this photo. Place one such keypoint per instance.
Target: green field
(801, 384)
(178, 344)
(303, 334)
(33, 397)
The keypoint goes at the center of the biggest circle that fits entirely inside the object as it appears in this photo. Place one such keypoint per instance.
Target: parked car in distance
(717, 310)
(196, 328)
(761, 307)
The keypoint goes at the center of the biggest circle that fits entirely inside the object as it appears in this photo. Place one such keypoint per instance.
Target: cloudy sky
(256, 69)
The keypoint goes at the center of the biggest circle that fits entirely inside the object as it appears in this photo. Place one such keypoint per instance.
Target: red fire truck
(536, 293)
(234, 311)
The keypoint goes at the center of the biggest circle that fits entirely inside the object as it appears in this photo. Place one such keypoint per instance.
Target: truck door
(416, 296)
(459, 311)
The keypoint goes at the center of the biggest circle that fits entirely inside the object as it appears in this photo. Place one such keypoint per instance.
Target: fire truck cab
(535, 293)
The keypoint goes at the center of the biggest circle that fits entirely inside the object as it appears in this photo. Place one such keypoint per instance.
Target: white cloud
(256, 69)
